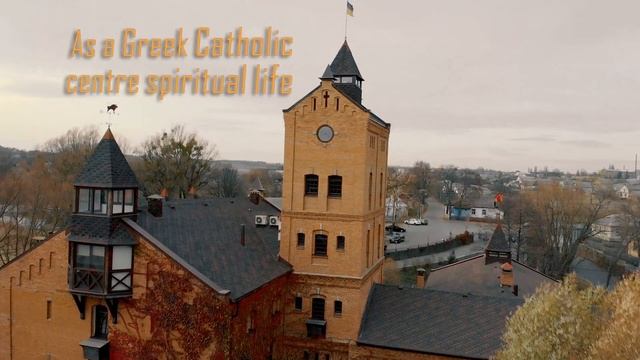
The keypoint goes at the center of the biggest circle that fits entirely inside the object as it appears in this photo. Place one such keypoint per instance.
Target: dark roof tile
(206, 234)
(435, 322)
(107, 167)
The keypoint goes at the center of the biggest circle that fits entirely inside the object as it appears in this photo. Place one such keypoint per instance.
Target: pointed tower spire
(327, 74)
(346, 73)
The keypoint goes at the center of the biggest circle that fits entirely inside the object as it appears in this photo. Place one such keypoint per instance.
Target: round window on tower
(325, 133)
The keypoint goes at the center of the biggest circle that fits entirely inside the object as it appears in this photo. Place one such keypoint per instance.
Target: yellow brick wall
(24, 297)
(358, 153)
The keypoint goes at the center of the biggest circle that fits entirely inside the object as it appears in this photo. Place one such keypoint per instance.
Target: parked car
(394, 228)
(414, 221)
(396, 238)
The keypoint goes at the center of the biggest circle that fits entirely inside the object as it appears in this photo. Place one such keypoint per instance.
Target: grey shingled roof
(474, 276)
(99, 229)
(205, 233)
(435, 322)
(498, 241)
(344, 63)
(107, 167)
(328, 74)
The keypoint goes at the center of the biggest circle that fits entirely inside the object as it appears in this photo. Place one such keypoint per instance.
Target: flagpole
(346, 15)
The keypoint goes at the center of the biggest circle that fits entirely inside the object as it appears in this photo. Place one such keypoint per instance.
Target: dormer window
(96, 201)
(92, 201)
(123, 201)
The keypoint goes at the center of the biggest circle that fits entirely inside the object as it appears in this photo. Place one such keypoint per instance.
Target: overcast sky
(504, 84)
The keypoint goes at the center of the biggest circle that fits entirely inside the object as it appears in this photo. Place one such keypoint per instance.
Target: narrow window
(301, 240)
(317, 308)
(340, 242)
(370, 188)
(297, 304)
(484, 212)
(320, 245)
(337, 104)
(100, 323)
(314, 104)
(368, 245)
(381, 182)
(84, 200)
(335, 186)
(379, 238)
(311, 184)
(118, 201)
(337, 308)
(128, 201)
(48, 309)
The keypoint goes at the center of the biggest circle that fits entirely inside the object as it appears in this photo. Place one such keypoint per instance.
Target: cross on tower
(326, 98)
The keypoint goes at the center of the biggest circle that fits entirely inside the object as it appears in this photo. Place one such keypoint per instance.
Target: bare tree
(561, 219)
(180, 162)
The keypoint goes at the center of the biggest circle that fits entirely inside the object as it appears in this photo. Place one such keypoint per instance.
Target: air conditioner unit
(262, 220)
(274, 221)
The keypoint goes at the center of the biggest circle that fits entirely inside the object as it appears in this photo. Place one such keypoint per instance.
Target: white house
(485, 208)
(622, 191)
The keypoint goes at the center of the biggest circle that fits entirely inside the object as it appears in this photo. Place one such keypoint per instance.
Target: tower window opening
(340, 241)
(314, 104)
(100, 324)
(335, 186)
(337, 308)
(300, 243)
(311, 184)
(297, 303)
(337, 104)
(317, 308)
(320, 245)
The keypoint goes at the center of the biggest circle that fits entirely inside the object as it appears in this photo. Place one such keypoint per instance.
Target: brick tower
(334, 191)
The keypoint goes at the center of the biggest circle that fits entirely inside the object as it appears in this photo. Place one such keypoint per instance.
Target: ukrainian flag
(349, 9)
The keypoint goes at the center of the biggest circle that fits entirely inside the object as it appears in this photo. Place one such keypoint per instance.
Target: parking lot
(439, 228)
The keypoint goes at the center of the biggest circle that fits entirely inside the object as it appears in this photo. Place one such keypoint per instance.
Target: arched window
(335, 186)
(311, 184)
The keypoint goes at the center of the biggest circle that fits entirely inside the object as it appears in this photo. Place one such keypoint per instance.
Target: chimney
(154, 205)
(254, 197)
(421, 278)
(506, 277)
(242, 236)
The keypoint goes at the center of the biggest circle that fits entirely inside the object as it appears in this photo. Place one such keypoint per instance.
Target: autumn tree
(570, 321)
(558, 322)
(178, 161)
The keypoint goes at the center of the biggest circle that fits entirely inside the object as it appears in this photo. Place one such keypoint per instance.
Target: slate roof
(474, 276)
(498, 241)
(107, 167)
(205, 233)
(435, 322)
(100, 230)
(328, 74)
(344, 63)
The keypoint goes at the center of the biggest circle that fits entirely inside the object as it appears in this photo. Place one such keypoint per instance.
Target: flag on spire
(349, 8)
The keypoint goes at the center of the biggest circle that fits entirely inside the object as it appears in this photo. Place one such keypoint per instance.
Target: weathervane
(111, 110)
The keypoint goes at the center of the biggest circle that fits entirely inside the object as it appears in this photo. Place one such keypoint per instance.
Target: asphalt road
(439, 228)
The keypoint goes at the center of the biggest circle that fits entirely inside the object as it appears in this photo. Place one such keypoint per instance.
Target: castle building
(135, 277)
